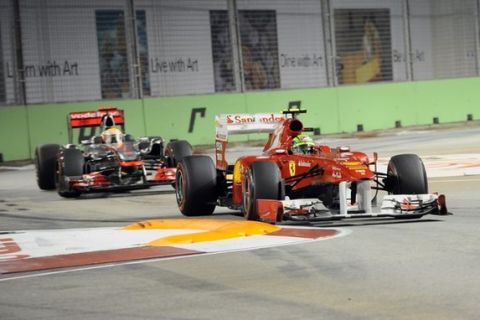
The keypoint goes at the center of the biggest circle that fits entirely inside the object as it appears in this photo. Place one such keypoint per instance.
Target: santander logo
(254, 118)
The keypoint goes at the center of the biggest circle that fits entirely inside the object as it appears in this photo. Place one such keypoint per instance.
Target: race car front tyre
(406, 175)
(45, 159)
(263, 181)
(72, 165)
(196, 186)
(177, 150)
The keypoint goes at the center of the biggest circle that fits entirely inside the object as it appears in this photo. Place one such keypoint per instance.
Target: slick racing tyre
(406, 175)
(196, 186)
(176, 151)
(71, 166)
(45, 160)
(262, 182)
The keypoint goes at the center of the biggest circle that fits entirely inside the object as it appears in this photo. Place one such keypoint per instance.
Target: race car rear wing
(241, 123)
(92, 119)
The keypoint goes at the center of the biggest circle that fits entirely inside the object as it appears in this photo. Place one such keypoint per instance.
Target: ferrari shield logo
(291, 168)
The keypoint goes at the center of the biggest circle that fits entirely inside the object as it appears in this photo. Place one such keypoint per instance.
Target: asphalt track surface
(378, 269)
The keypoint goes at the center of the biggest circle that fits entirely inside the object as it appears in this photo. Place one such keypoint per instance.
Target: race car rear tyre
(176, 151)
(406, 175)
(72, 166)
(45, 160)
(263, 181)
(196, 186)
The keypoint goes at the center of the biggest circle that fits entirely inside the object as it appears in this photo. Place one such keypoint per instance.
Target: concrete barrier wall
(332, 110)
(22, 128)
(14, 133)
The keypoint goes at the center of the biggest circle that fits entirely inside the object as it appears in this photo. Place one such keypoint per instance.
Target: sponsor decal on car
(336, 172)
(305, 164)
(93, 114)
(253, 118)
(291, 167)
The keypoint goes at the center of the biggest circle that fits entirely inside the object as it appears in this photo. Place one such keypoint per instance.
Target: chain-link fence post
(329, 45)
(236, 45)
(18, 66)
(132, 50)
(409, 70)
(477, 37)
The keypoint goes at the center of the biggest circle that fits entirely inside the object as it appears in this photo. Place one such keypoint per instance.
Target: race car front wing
(397, 206)
(97, 182)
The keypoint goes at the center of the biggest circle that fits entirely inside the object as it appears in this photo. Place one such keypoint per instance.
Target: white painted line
(452, 165)
(21, 168)
(453, 180)
(42, 243)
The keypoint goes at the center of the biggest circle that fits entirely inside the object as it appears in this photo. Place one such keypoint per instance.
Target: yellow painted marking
(213, 230)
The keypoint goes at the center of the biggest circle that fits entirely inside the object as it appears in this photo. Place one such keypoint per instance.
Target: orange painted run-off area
(211, 230)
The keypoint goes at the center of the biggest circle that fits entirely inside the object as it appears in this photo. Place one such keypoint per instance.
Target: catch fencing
(66, 51)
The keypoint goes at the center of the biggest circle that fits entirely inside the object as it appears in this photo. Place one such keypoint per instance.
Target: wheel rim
(62, 185)
(393, 180)
(180, 189)
(37, 168)
(247, 197)
(37, 163)
(57, 176)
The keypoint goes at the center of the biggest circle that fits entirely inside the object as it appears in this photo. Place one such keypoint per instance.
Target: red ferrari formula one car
(297, 179)
(110, 161)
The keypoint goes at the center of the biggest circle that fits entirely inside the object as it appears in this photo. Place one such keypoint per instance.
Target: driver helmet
(108, 121)
(303, 144)
(112, 136)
